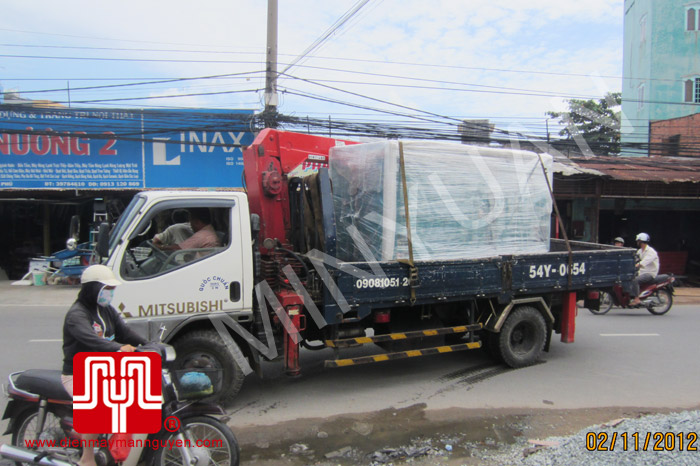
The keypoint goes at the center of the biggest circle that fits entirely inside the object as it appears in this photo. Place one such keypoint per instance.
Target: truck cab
(172, 288)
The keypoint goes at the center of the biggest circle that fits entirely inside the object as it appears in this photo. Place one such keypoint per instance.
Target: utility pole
(270, 112)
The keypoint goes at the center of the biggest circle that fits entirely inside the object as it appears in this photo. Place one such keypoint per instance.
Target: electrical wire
(171, 123)
(354, 60)
(163, 81)
(53, 34)
(328, 33)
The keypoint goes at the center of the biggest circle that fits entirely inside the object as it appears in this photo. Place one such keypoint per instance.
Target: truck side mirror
(102, 247)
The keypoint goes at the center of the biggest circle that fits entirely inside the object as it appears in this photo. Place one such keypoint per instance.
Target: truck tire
(522, 337)
(206, 349)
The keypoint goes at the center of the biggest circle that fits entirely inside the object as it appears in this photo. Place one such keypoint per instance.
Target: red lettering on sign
(5, 144)
(78, 147)
(60, 144)
(40, 143)
(107, 149)
(47, 141)
(20, 143)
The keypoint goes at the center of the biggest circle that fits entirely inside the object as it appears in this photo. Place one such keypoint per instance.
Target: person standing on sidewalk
(93, 325)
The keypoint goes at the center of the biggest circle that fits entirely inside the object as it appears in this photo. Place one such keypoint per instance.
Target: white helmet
(643, 237)
(99, 273)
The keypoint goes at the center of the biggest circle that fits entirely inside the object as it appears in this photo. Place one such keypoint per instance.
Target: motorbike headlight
(71, 244)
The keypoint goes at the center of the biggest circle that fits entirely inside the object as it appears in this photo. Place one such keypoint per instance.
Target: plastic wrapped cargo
(465, 202)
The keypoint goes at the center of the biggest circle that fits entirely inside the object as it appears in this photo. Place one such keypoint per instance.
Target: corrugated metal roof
(659, 169)
(567, 167)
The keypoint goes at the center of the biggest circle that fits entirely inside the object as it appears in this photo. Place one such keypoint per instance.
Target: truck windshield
(124, 221)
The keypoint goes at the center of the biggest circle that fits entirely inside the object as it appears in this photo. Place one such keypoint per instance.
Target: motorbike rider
(619, 241)
(91, 324)
(647, 265)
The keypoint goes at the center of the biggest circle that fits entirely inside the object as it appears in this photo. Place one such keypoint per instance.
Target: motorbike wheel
(210, 432)
(606, 303)
(661, 302)
(26, 429)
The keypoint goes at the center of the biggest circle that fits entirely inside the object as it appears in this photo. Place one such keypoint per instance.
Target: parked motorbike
(655, 297)
(41, 410)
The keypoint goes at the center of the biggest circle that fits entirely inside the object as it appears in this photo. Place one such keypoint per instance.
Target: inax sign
(122, 149)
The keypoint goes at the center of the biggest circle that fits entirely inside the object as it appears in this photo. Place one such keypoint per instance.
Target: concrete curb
(58, 295)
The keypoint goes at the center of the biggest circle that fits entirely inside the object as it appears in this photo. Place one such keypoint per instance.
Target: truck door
(201, 275)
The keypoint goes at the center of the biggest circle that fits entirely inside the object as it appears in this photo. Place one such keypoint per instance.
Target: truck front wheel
(522, 337)
(206, 349)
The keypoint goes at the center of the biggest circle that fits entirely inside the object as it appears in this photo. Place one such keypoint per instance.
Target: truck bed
(380, 285)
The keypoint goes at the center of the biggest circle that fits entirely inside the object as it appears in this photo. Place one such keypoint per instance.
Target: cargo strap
(413, 280)
(561, 222)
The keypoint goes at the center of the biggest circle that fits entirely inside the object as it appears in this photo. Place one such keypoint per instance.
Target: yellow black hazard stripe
(402, 355)
(402, 336)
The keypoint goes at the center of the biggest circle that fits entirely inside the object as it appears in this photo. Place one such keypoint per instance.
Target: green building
(661, 74)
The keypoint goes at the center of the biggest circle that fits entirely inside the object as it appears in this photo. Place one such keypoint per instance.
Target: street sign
(94, 148)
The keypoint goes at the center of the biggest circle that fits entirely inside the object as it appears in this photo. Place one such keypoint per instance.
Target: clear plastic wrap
(465, 202)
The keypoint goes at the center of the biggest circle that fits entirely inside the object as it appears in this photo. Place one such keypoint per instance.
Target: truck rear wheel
(206, 349)
(522, 337)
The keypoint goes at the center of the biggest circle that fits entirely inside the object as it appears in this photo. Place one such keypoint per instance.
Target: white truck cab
(170, 288)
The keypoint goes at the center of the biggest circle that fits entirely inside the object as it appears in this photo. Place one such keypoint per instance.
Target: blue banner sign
(62, 148)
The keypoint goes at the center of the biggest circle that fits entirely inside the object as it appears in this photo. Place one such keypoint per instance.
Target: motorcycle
(40, 413)
(656, 297)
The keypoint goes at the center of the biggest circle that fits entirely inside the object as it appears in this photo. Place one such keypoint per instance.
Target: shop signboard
(62, 148)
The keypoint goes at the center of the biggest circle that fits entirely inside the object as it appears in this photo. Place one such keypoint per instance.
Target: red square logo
(117, 393)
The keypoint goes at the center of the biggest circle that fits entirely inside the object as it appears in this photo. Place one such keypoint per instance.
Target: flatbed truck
(274, 285)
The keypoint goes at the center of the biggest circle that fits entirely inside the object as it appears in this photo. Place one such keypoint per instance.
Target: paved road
(624, 358)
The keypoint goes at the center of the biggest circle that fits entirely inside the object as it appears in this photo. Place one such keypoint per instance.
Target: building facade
(57, 163)
(676, 137)
(661, 67)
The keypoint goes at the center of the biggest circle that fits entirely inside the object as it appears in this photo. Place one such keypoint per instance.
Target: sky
(505, 60)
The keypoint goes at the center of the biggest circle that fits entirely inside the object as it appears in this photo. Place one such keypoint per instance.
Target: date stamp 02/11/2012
(649, 441)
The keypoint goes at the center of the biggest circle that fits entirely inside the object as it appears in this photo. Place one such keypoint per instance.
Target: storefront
(55, 162)
(605, 197)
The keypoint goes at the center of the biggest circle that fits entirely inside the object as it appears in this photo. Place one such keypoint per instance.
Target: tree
(593, 124)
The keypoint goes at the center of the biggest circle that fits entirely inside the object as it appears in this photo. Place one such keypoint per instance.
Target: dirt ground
(454, 437)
